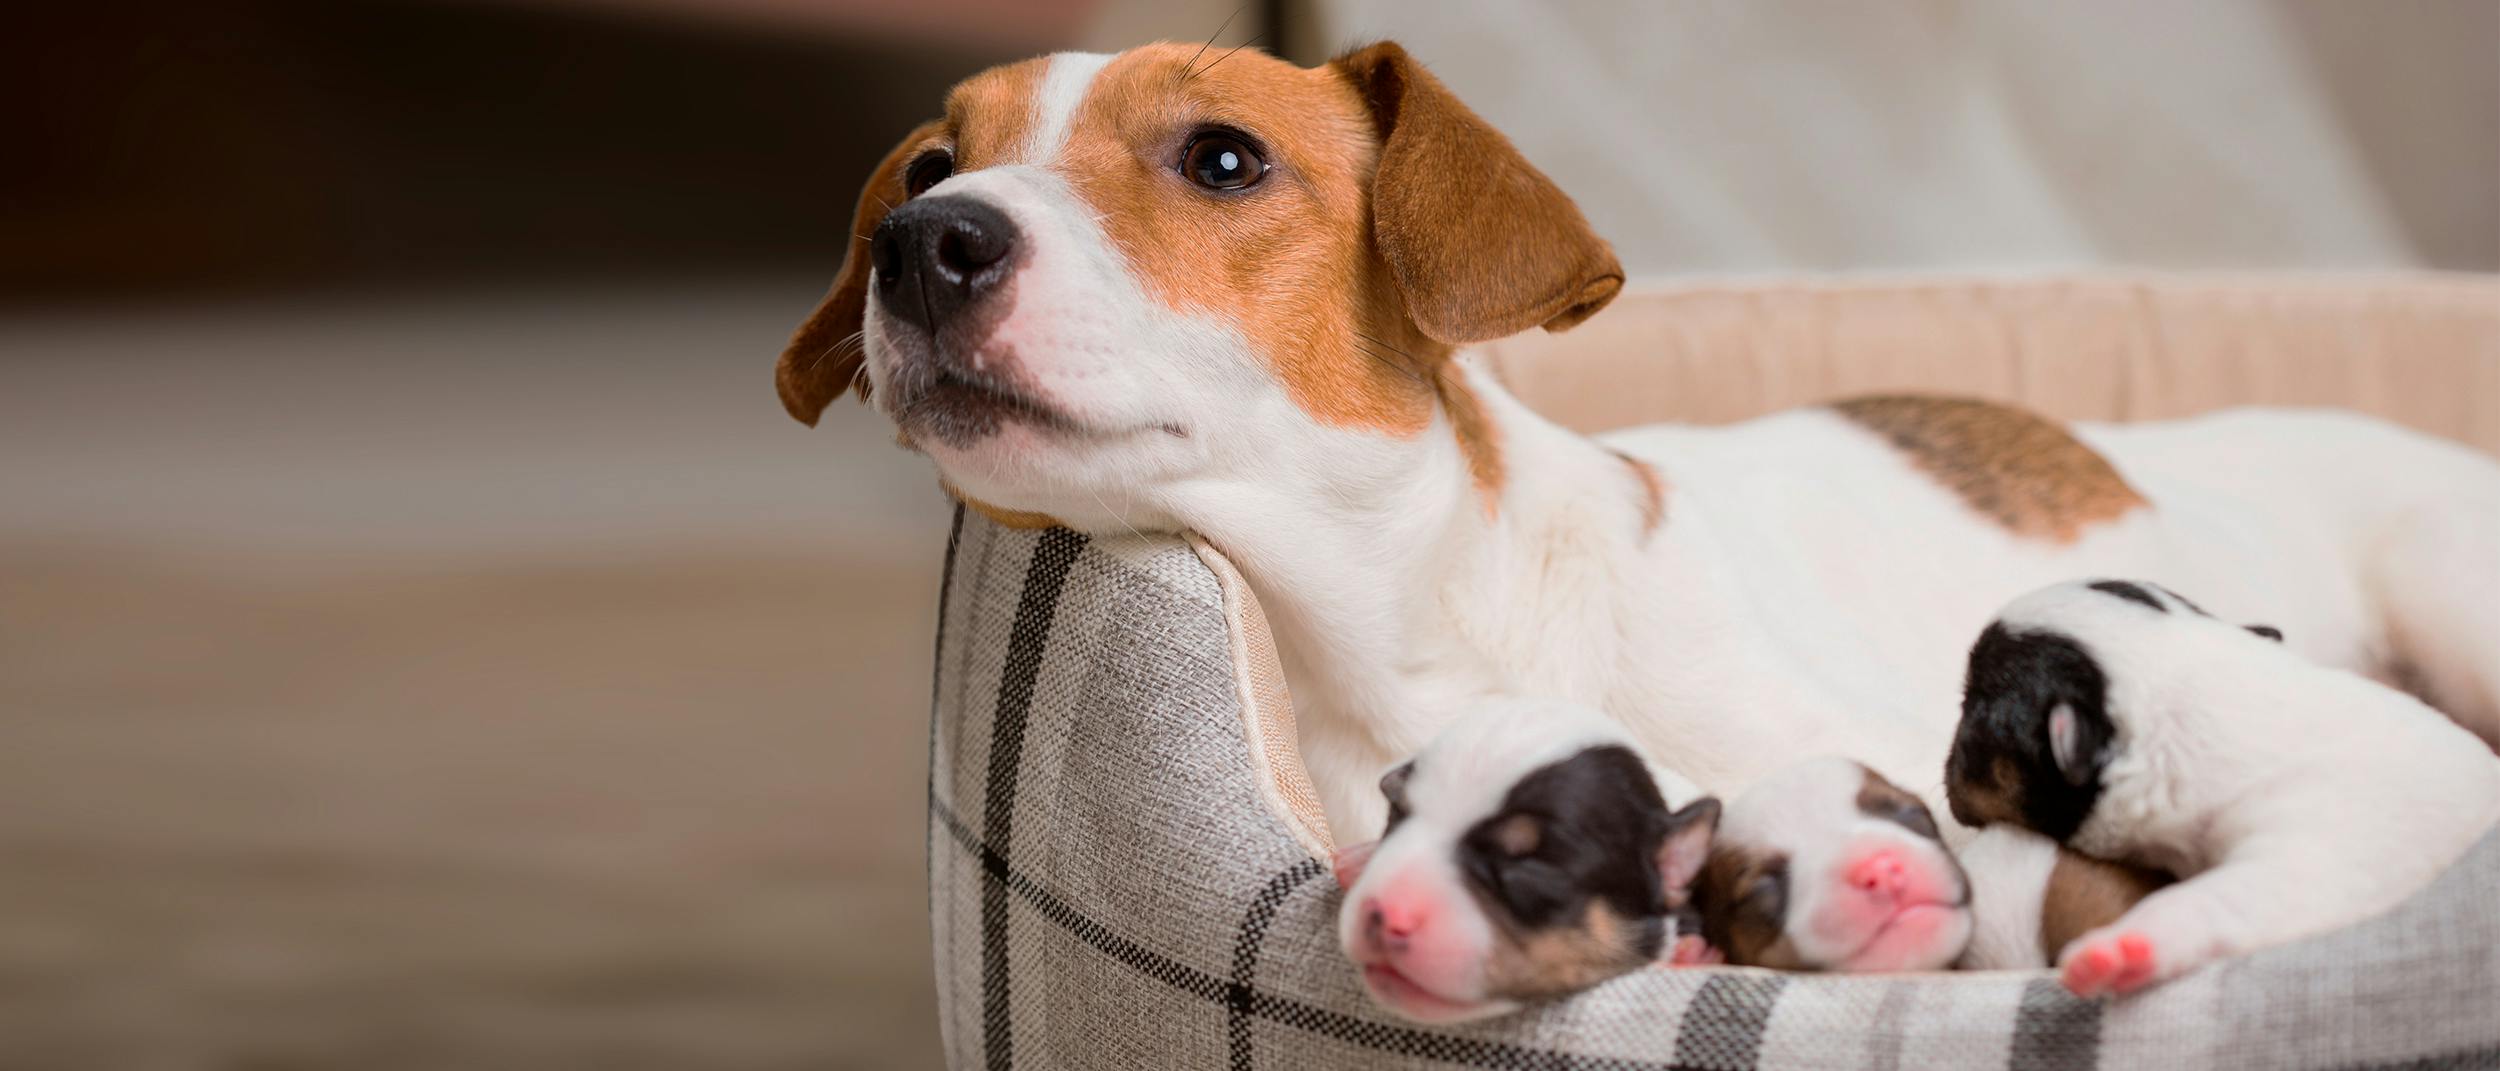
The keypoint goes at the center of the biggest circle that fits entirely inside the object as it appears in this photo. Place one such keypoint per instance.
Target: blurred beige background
(424, 642)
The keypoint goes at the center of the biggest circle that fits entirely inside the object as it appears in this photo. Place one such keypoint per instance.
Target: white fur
(2290, 797)
(1811, 590)
(2009, 871)
(1064, 84)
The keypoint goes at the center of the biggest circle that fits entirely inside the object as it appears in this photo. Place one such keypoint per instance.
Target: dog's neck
(1399, 589)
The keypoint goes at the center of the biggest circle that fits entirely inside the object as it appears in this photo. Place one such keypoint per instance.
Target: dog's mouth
(959, 408)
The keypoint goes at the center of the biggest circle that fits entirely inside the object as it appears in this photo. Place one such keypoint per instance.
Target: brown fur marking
(1747, 936)
(1478, 439)
(2025, 472)
(1287, 262)
(1563, 959)
(1001, 515)
(1993, 801)
(1879, 797)
(2085, 894)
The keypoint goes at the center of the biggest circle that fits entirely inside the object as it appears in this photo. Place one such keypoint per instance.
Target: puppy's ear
(1481, 244)
(2268, 631)
(2076, 743)
(1347, 863)
(1687, 846)
(824, 357)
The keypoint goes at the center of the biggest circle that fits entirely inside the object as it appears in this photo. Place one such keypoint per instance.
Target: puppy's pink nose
(1878, 873)
(1395, 919)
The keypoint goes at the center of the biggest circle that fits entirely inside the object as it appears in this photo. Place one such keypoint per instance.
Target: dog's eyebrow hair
(1202, 49)
(1228, 55)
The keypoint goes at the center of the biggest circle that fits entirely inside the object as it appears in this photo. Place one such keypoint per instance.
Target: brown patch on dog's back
(2085, 894)
(2020, 470)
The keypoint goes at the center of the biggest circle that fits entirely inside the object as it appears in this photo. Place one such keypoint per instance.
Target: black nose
(937, 256)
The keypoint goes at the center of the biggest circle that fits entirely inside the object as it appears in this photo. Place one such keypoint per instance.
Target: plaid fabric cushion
(1114, 886)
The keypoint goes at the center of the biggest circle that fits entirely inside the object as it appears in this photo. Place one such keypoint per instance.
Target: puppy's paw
(2107, 963)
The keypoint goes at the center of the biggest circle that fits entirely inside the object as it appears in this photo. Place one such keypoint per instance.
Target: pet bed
(1126, 860)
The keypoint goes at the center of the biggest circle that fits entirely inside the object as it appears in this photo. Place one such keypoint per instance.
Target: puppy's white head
(2065, 677)
(1825, 865)
(1105, 279)
(1529, 854)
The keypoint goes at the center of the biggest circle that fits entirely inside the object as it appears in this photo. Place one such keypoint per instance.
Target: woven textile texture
(1113, 887)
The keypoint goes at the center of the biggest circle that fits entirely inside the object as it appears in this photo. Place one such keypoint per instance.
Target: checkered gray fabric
(1111, 890)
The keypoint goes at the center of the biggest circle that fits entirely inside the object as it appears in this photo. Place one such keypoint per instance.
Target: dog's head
(1530, 853)
(1826, 865)
(1099, 276)
(2041, 714)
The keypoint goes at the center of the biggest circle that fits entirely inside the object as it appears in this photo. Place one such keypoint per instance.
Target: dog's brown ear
(1482, 244)
(823, 358)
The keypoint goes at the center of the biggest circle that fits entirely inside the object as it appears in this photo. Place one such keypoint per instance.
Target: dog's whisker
(1364, 343)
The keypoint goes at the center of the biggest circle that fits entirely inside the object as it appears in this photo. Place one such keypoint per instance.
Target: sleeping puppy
(1827, 866)
(1530, 853)
(2123, 721)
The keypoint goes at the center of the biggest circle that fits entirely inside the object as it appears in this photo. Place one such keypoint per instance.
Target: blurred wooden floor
(420, 785)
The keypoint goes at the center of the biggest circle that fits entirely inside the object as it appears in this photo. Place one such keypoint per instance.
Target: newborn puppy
(1825, 865)
(1529, 853)
(2121, 720)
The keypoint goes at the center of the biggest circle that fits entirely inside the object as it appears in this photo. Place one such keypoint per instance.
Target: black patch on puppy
(1393, 789)
(2131, 592)
(1598, 824)
(2268, 631)
(2002, 768)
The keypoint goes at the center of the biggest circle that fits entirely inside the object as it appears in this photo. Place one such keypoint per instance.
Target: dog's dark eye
(1220, 161)
(931, 169)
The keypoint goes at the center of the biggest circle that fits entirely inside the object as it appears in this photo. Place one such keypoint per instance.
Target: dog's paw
(2107, 963)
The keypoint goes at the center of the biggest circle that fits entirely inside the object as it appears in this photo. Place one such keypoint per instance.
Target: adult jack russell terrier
(1167, 290)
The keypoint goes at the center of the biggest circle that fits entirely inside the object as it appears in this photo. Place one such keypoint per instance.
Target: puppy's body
(2031, 897)
(1149, 291)
(2128, 723)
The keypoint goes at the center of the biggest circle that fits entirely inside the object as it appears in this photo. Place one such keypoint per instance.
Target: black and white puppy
(2120, 719)
(1530, 852)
